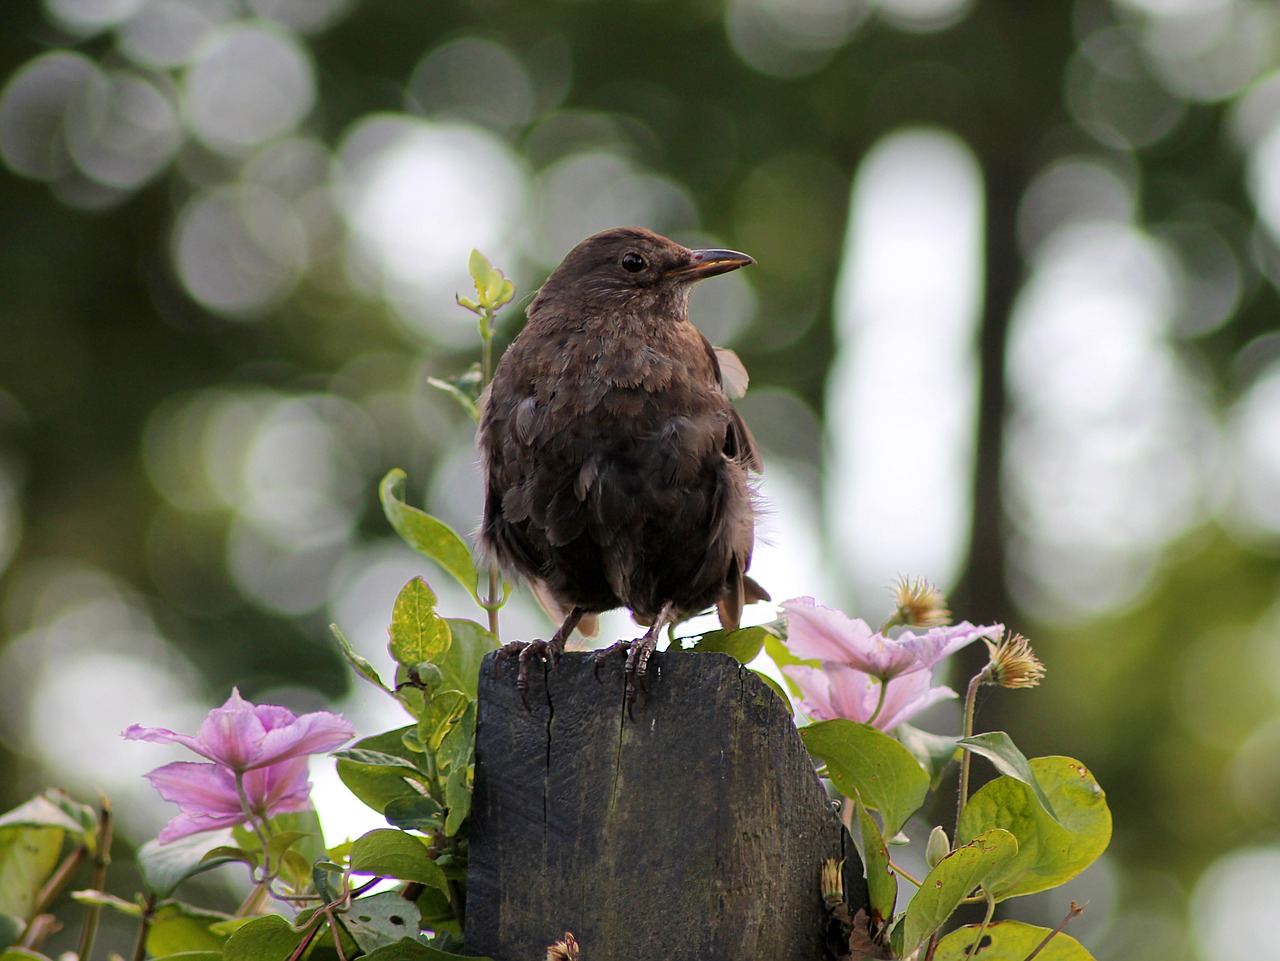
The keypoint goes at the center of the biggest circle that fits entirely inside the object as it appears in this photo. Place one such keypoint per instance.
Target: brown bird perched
(616, 469)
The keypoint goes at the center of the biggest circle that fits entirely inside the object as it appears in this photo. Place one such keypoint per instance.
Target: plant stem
(98, 881)
(884, 687)
(1075, 912)
(144, 925)
(970, 699)
(492, 601)
(904, 874)
(991, 910)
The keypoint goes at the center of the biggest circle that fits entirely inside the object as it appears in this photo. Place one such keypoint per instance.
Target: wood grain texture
(693, 831)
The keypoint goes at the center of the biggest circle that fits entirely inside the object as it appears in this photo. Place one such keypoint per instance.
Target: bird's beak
(708, 263)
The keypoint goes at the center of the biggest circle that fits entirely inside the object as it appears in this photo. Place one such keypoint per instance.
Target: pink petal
(907, 696)
(184, 825)
(815, 690)
(279, 787)
(310, 734)
(814, 631)
(197, 788)
(854, 693)
(231, 734)
(941, 642)
(161, 735)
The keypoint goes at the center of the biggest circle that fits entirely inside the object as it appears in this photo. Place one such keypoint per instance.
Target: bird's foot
(639, 652)
(526, 652)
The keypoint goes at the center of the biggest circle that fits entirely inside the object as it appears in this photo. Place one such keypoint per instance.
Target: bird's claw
(525, 652)
(639, 652)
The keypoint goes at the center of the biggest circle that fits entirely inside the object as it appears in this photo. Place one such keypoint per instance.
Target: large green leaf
(408, 949)
(951, 881)
(418, 633)
(1009, 941)
(394, 854)
(177, 928)
(264, 938)
(867, 763)
(935, 752)
(1049, 851)
(998, 748)
(165, 866)
(460, 667)
(362, 769)
(743, 645)
(882, 883)
(55, 809)
(427, 534)
(28, 855)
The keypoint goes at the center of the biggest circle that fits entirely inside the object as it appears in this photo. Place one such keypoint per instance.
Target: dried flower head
(1013, 663)
(832, 881)
(919, 603)
(566, 949)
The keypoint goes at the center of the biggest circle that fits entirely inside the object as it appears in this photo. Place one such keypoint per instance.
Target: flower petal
(161, 735)
(825, 633)
(907, 696)
(197, 788)
(941, 642)
(312, 733)
(184, 825)
(232, 734)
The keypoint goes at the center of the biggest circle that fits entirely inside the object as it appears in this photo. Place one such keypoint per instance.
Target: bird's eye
(633, 262)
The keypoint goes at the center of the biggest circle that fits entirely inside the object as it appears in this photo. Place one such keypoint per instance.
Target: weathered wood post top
(693, 829)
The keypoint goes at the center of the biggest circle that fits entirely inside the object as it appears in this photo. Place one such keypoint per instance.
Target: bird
(617, 471)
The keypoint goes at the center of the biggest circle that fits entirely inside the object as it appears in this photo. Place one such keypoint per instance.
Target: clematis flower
(257, 764)
(867, 676)
(838, 690)
(814, 631)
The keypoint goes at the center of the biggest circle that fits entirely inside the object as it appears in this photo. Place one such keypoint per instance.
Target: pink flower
(867, 676)
(838, 690)
(263, 747)
(244, 736)
(814, 631)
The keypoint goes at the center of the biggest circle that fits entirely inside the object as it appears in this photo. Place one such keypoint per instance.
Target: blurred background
(1013, 328)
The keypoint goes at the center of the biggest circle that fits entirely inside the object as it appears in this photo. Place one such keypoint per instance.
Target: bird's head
(631, 267)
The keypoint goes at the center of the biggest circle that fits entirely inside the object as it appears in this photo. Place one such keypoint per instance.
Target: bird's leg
(638, 653)
(549, 651)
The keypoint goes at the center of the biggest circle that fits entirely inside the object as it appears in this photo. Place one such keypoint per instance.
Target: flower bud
(1013, 663)
(566, 949)
(832, 881)
(937, 848)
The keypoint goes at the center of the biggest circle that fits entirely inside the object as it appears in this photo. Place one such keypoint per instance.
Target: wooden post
(694, 830)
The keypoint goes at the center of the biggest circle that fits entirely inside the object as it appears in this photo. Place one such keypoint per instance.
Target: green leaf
(263, 938)
(22, 954)
(426, 534)
(361, 665)
(743, 644)
(177, 928)
(368, 758)
(381, 919)
(377, 785)
(11, 929)
(394, 854)
(1050, 851)
(882, 883)
(28, 856)
(464, 399)
(934, 751)
(419, 813)
(165, 866)
(782, 656)
(951, 881)
(130, 909)
(1009, 941)
(460, 667)
(999, 749)
(418, 633)
(458, 748)
(55, 809)
(441, 715)
(408, 949)
(457, 795)
(865, 762)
